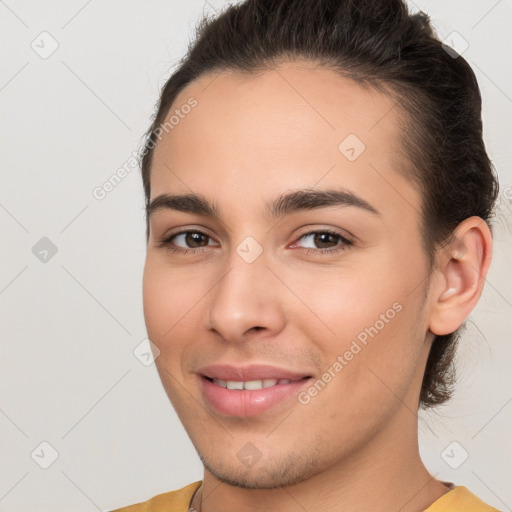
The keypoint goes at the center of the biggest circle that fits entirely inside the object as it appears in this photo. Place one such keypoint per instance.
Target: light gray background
(69, 325)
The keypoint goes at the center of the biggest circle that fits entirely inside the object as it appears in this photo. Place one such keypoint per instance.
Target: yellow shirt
(459, 499)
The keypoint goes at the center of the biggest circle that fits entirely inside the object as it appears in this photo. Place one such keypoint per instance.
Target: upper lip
(249, 372)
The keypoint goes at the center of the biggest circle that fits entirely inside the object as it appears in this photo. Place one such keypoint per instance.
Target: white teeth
(233, 384)
(250, 384)
(253, 384)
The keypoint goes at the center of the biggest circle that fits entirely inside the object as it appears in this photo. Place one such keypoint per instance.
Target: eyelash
(167, 242)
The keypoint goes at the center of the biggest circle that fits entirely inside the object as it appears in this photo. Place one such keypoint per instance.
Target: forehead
(297, 125)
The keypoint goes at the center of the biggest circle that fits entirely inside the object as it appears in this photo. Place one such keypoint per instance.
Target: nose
(247, 299)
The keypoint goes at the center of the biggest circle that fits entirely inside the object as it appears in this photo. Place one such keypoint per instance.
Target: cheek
(171, 303)
(339, 303)
(169, 300)
(369, 317)
(367, 364)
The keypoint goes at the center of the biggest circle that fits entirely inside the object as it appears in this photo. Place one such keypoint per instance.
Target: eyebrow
(285, 204)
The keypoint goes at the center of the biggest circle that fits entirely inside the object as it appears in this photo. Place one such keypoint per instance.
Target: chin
(289, 470)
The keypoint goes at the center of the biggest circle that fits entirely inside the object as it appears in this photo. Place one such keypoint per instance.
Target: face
(292, 330)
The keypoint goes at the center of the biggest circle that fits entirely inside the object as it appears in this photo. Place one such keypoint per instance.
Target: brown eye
(324, 241)
(186, 241)
(195, 239)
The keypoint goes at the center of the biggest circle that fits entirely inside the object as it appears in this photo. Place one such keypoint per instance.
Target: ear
(462, 266)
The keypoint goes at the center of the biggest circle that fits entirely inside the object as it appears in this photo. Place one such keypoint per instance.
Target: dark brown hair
(377, 43)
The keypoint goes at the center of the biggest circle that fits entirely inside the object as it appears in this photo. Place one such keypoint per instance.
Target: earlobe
(463, 266)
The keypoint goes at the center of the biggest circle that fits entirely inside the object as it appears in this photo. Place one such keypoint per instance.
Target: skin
(354, 446)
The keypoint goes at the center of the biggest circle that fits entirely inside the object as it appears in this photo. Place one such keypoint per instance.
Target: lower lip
(244, 402)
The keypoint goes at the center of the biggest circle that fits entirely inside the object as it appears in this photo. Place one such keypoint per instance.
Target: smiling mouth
(252, 385)
(252, 396)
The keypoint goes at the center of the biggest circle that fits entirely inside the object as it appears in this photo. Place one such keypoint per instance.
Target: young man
(318, 204)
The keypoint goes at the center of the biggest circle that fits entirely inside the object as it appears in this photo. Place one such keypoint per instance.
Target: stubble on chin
(281, 470)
